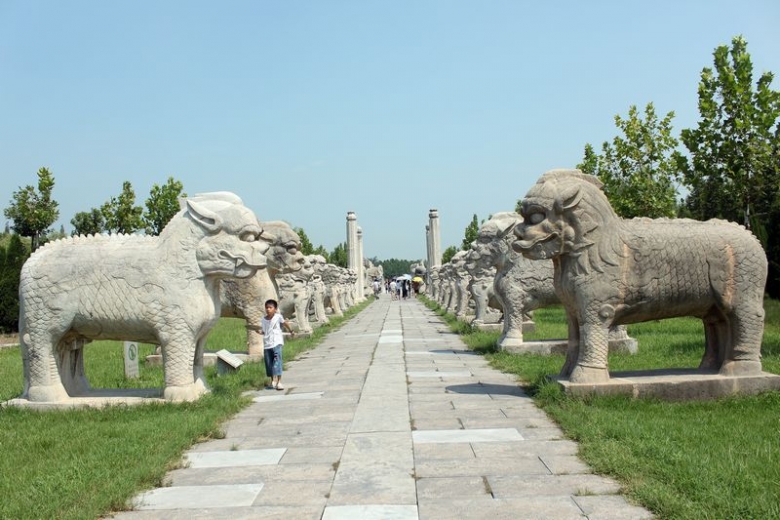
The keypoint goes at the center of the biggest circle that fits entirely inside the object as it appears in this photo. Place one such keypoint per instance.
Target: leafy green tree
(339, 255)
(320, 250)
(88, 222)
(162, 205)
(393, 267)
(121, 213)
(639, 168)
(33, 211)
(470, 234)
(734, 167)
(12, 257)
(306, 246)
(448, 253)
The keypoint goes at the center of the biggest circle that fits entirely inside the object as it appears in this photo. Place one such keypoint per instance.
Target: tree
(320, 250)
(394, 267)
(339, 255)
(88, 222)
(470, 234)
(448, 253)
(33, 211)
(734, 167)
(11, 260)
(162, 205)
(639, 168)
(121, 213)
(306, 246)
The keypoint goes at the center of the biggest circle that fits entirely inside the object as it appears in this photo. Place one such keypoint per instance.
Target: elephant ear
(204, 217)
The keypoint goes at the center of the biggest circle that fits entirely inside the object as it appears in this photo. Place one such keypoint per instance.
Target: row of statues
(213, 259)
(568, 246)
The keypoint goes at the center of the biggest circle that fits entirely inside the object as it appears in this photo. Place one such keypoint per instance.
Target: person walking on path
(273, 341)
(393, 290)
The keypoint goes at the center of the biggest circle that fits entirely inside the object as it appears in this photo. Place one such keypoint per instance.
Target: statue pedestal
(676, 384)
(546, 347)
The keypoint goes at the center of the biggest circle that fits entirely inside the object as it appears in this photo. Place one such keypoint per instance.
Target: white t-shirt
(272, 331)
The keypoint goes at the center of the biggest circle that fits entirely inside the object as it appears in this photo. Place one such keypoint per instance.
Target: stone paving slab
(390, 417)
(197, 497)
(227, 459)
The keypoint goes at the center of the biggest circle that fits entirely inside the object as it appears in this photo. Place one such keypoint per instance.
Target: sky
(310, 109)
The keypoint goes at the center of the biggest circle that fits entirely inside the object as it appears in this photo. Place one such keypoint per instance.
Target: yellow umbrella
(417, 279)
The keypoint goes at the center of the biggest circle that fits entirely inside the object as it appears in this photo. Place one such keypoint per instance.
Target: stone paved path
(391, 417)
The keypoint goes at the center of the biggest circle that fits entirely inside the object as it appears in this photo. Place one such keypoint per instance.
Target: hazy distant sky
(311, 109)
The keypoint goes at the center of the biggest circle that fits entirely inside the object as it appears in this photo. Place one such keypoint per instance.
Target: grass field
(696, 460)
(87, 463)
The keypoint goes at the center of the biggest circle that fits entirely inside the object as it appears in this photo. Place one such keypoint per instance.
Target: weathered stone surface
(162, 290)
(610, 271)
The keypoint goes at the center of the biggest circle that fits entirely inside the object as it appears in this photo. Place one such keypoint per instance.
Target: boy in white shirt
(273, 340)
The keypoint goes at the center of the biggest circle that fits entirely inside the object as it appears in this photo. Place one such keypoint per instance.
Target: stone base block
(95, 398)
(543, 347)
(490, 327)
(674, 385)
(546, 347)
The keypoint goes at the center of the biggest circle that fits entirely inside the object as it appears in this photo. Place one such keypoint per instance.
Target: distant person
(393, 289)
(405, 289)
(273, 341)
(377, 288)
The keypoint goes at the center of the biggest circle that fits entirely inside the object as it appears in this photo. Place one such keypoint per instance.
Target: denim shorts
(273, 361)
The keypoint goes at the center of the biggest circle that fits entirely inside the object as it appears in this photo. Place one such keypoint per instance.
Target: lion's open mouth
(525, 245)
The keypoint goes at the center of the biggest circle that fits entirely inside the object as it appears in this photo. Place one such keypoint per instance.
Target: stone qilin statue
(612, 271)
(162, 290)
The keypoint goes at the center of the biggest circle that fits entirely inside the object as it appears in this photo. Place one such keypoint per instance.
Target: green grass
(87, 463)
(713, 459)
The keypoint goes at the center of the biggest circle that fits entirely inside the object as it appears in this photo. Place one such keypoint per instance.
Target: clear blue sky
(310, 109)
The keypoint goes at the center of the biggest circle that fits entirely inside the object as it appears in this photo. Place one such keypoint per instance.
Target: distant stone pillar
(352, 244)
(429, 255)
(361, 270)
(435, 238)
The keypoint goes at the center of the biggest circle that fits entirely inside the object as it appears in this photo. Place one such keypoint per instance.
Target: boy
(273, 340)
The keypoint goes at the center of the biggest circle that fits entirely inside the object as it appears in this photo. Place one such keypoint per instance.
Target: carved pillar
(435, 238)
(429, 255)
(352, 243)
(361, 268)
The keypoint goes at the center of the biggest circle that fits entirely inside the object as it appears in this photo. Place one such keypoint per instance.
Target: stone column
(361, 268)
(429, 253)
(433, 223)
(352, 243)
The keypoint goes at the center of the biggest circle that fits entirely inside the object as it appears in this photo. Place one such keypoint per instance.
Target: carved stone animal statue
(162, 290)
(461, 278)
(614, 271)
(520, 285)
(482, 273)
(295, 295)
(245, 298)
(318, 288)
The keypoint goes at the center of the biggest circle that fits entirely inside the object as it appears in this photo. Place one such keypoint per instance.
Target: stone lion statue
(614, 271)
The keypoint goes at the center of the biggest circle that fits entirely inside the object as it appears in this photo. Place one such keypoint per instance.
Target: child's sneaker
(280, 386)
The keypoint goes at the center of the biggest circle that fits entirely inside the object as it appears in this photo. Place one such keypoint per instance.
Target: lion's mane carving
(614, 271)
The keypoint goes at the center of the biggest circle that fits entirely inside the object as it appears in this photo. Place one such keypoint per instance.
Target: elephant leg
(71, 363)
(573, 348)
(183, 373)
(742, 354)
(713, 337)
(592, 362)
(42, 375)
